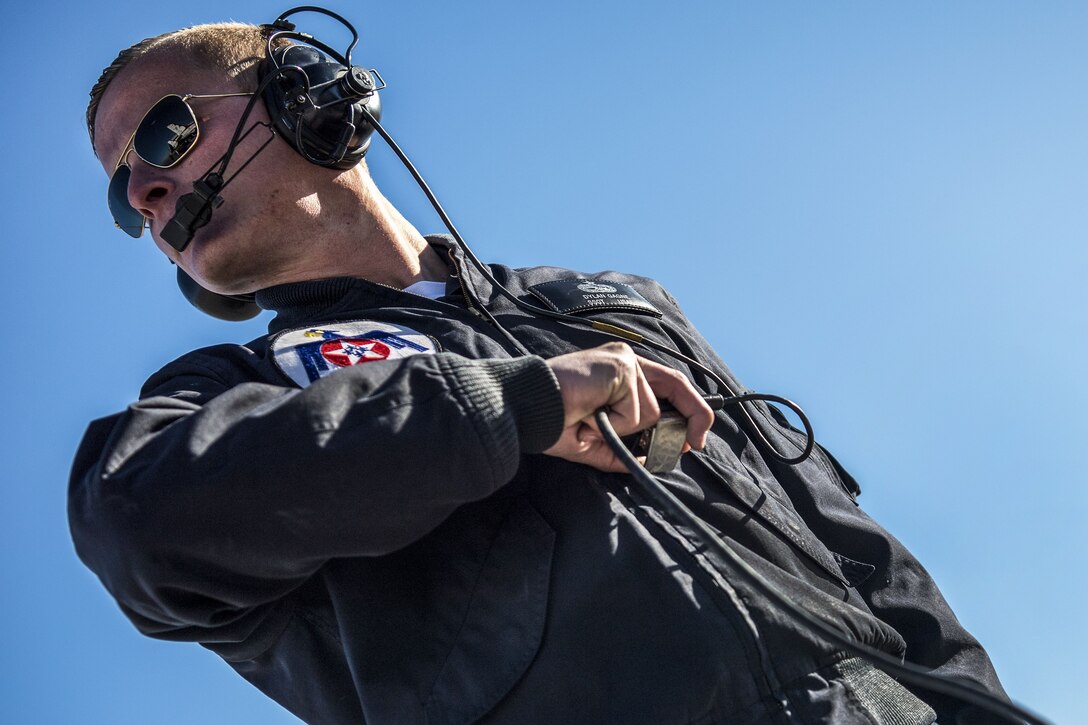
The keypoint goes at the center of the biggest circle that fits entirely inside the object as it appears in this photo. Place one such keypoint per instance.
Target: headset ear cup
(232, 308)
(275, 101)
(326, 126)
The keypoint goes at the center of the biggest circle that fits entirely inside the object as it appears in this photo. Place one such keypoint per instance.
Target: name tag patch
(587, 295)
(312, 353)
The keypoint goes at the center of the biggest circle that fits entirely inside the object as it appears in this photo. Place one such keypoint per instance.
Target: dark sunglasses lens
(130, 221)
(167, 133)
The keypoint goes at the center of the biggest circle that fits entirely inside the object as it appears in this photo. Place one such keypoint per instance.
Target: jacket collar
(297, 303)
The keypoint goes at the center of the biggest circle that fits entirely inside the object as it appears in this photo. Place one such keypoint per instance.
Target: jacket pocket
(771, 506)
(504, 623)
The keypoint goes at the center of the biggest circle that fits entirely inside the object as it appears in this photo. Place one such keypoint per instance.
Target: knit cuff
(531, 392)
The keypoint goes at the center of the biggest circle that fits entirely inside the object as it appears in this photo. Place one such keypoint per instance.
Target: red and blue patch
(306, 355)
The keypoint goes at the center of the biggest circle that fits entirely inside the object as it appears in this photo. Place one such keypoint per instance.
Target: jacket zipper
(470, 300)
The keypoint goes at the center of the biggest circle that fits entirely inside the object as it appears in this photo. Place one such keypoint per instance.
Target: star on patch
(346, 352)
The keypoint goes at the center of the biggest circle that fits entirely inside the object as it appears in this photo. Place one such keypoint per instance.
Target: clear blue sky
(878, 210)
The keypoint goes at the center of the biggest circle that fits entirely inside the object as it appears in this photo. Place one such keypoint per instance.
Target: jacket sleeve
(897, 588)
(204, 501)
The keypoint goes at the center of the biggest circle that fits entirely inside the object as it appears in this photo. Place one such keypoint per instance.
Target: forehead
(136, 88)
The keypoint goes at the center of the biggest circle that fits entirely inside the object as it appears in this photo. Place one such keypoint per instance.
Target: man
(385, 511)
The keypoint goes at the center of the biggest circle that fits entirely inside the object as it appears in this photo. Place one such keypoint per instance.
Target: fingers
(633, 405)
(673, 386)
(612, 376)
(606, 376)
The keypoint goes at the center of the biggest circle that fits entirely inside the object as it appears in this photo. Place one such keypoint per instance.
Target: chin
(216, 265)
(225, 283)
(225, 276)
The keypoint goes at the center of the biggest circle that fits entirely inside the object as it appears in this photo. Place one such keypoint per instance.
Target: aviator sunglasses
(164, 136)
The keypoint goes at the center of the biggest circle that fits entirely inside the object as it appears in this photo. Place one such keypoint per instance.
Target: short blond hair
(234, 49)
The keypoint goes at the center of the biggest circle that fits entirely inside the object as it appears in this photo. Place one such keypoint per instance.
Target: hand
(613, 376)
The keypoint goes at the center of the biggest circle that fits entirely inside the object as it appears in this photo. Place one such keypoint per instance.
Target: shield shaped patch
(308, 354)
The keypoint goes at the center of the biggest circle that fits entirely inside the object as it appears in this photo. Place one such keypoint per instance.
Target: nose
(149, 188)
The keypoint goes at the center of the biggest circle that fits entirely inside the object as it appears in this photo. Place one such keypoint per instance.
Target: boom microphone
(193, 211)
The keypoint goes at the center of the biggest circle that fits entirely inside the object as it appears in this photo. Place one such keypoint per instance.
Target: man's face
(231, 253)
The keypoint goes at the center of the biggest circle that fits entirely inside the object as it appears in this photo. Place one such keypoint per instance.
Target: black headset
(317, 102)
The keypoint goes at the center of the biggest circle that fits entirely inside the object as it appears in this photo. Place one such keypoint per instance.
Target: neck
(416, 260)
(352, 230)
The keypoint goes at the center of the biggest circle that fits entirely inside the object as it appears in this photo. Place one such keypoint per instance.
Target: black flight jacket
(387, 544)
